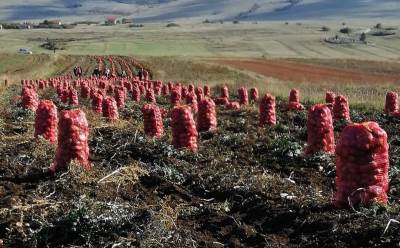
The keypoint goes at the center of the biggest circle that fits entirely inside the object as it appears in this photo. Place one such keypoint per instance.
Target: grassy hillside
(206, 40)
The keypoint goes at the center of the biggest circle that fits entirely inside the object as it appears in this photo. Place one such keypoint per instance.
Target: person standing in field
(140, 74)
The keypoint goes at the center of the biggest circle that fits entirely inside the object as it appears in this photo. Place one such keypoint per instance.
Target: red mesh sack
(136, 95)
(254, 95)
(85, 91)
(199, 93)
(46, 121)
(142, 89)
(120, 97)
(97, 103)
(73, 135)
(330, 97)
(320, 136)
(267, 110)
(233, 105)
(224, 92)
(206, 116)
(391, 104)
(243, 96)
(184, 91)
(184, 132)
(295, 106)
(63, 94)
(191, 100)
(294, 95)
(29, 98)
(152, 117)
(110, 109)
(165, 90)
(73, 97)
(150, 97)
(362, 165)
(341, 109)
(294, 100)
(175, 97)
(207, 90)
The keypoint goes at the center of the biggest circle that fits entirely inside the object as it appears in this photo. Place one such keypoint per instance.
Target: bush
(346, 30)
(379, 25)
(136, 26)
(170, 25)
(235, 22)
(325, 29)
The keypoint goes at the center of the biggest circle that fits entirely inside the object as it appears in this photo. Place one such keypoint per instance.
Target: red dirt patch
(299, 72)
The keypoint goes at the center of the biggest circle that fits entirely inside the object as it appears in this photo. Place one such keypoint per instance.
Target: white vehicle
(24, 51)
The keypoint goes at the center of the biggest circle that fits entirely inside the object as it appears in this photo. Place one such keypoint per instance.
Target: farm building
(111, 20)
(127, 20)
(54, 22)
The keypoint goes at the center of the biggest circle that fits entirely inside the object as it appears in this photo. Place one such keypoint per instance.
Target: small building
(111, 20)
(127, 21)
(54, 22)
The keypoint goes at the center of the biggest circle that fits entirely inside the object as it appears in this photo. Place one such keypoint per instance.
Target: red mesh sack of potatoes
(120, 97)
(110, 109)
(224, 92)
(85, 91)
(73, 135)
(206, 116)
(330, 97)
(191, 88)
(320, 136)
(150, 97)
(165, 90)
(73, 97)
(233, 105)
(362, 165)
(243, 96)
(63, 94)
(29, 98)
(97, 103)
(152, 117)
(254, 95)
(267, 111)
(207, 90)
(142, 89)
(294, 95)
(294, 100)
(46, 121)
(175, 97)
(391, 103)
(199, 93)
(184, 91)
(136, 93)
(191, 100)
(341, 109)
(184, 132)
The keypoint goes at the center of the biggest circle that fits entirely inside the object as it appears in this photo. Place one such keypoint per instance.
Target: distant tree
(286, 23)
(46, 22)
(325, 29)
(345, 30)
(363, 37)
(235, 22)
(379, 26)
(343, 24)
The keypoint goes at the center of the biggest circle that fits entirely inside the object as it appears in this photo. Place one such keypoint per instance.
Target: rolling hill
(187, 10)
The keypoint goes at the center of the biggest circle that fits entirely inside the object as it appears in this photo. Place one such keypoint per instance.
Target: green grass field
(204, 40)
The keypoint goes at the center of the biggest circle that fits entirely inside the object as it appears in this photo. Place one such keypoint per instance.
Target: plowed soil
(302, 72)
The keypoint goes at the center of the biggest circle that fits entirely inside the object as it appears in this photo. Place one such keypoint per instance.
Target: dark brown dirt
(233, 192)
